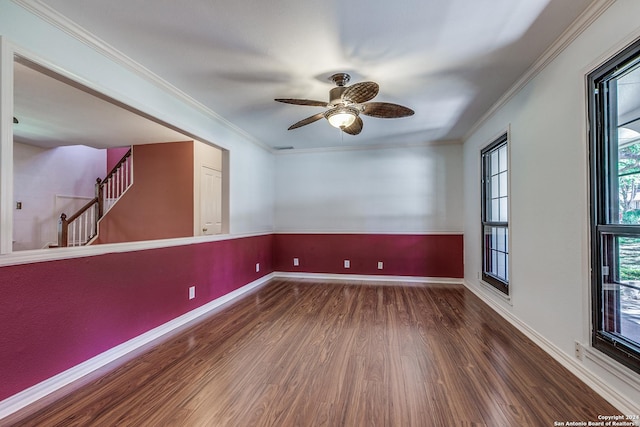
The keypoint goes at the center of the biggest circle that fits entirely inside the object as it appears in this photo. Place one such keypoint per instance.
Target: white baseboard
(33, 394)
(597, 384)
(368, 278)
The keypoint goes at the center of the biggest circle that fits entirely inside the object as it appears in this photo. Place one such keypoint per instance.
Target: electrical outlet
(380, 265)
(192, 292)
(257, 267)
(347, 263)
(296, 262)
(578, 350)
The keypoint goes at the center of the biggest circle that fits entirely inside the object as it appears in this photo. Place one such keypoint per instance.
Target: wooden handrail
(116, 167)
(63, 231)
(82, 210)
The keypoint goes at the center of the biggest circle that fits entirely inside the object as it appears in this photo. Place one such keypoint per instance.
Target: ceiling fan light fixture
(346, 103)
(342, 117)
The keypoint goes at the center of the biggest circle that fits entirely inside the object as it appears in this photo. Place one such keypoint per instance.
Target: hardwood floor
(297, 353)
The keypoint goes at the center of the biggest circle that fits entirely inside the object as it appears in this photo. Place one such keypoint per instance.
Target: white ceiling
(449, 60)
(53, 113)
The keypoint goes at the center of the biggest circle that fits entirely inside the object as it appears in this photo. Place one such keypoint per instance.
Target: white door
(210, 201)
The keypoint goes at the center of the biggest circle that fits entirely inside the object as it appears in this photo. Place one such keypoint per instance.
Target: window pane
(495, 167)
(494, 263)
(496, 250)
(629, 260)
(500, 239)
(503, 209)
(628, 177)
(502, 266)
(502, 154)
(503, 184)
(495, 210)
(495, 186)
(494, 237)
(621, 291)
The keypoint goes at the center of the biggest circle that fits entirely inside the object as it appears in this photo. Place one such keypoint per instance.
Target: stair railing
(82, 227)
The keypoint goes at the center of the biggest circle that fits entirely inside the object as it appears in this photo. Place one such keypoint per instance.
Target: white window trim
(505, 131)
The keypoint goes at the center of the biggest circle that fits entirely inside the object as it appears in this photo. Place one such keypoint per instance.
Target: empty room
(223, 213)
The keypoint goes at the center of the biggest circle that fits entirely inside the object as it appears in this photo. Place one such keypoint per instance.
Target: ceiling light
(342, 117)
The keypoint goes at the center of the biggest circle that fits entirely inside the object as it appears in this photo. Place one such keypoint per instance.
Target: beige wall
(159, 204)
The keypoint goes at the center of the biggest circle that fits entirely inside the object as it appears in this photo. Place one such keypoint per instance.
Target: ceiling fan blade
(355, 128)
(386, 110)
(302, 102)
(307, 121)
(360, 92)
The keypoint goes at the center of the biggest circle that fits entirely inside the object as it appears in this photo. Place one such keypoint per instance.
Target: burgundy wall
(114, 155)
(58, 314)
(402, 255)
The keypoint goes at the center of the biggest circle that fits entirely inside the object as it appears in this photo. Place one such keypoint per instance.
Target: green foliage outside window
(629, 183)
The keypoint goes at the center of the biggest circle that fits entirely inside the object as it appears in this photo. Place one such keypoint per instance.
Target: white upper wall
(549, 213)
(251, 180)
(47, 183)
(387, 190)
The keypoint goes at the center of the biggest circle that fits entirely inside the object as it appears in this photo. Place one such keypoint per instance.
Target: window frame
(604, 203)
(485, 158)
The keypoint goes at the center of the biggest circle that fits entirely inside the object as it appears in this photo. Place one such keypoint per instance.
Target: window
(614, 114)
(495, 214)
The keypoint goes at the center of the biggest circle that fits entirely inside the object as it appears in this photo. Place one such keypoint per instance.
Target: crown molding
(68, 26)
(593, 12)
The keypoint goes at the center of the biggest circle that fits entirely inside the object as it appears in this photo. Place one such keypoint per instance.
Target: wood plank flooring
(299, 353)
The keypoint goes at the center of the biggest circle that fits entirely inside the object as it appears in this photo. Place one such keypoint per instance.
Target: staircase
(81, 228)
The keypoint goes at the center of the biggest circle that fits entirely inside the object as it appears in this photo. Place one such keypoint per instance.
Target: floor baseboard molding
(368, 278)
(588, 377)
(45, 388)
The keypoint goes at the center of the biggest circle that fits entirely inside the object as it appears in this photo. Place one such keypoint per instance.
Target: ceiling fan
(346, 103)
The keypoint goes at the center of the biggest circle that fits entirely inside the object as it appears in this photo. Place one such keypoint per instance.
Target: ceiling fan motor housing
(335, 95)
